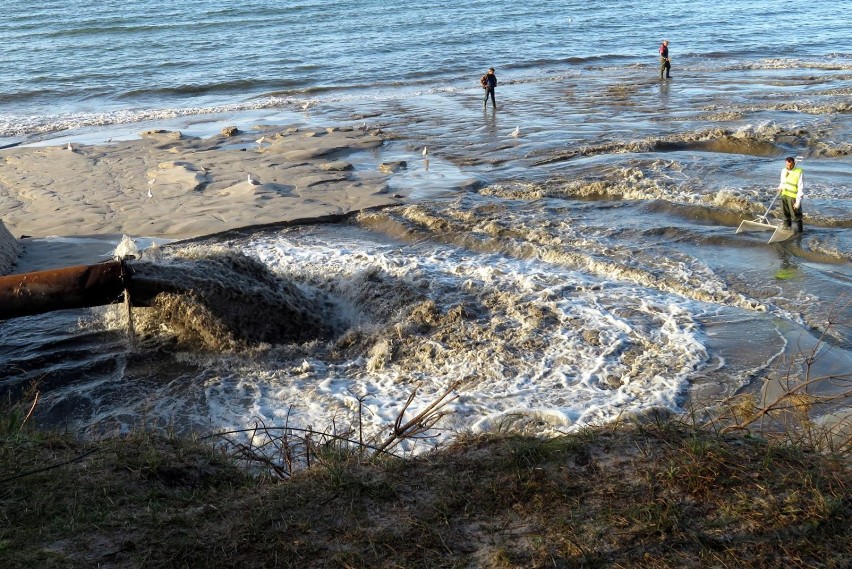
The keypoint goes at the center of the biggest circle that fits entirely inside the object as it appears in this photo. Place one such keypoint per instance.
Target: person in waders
(791, 189)
(665, 62)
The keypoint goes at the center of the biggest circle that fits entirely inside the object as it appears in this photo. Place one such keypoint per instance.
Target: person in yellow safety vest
(792, 191)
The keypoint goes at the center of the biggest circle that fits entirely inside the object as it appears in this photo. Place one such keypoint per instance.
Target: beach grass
(660, 492)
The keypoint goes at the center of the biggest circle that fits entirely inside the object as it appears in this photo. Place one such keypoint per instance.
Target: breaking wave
(479, 226)
(768, 140)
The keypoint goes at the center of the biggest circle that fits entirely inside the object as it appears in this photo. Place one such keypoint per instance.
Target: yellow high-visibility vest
(791, 183)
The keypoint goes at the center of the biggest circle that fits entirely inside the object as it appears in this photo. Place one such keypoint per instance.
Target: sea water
(80, 63)
(582, 271)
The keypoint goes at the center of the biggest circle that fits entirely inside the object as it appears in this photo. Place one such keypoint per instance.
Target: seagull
(71, 148)
(425, 151)
(261, 140)
(252, 181)
(150, 195)
(517, 132)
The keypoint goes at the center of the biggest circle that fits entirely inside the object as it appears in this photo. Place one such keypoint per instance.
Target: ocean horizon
(84, 66)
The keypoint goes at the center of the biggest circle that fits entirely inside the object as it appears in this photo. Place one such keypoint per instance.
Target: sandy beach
(168, 185)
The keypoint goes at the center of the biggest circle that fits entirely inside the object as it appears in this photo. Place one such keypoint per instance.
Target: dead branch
(780, 403)
(30, 412)
(423, 421)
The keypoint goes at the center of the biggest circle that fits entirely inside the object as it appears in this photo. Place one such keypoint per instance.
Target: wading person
(792, 191)
(489, 82)
(665, 62)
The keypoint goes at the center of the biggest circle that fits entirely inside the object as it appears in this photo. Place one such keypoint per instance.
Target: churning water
(582, 270)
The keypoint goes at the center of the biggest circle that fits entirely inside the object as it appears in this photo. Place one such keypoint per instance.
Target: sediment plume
(220, 300)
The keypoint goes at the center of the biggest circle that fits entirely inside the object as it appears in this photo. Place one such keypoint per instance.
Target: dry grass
(652, 494)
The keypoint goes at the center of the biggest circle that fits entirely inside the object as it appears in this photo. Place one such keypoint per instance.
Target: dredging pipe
(59, 289)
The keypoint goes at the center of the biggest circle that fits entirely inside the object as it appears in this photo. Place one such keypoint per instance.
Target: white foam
(561, 386)
(126, 248)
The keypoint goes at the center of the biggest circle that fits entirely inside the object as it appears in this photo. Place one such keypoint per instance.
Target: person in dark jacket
(489, 82)
(665, 62)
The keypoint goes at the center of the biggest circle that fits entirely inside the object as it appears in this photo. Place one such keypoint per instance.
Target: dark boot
(800, 227)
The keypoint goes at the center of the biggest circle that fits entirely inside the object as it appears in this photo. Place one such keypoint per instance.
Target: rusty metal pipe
(59, 289)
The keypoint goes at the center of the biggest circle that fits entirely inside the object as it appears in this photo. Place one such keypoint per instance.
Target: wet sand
(172, 186)
(8, 249)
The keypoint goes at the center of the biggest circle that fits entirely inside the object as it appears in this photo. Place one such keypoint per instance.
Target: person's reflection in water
(664, 94)
(490, 124)
(788, 268)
